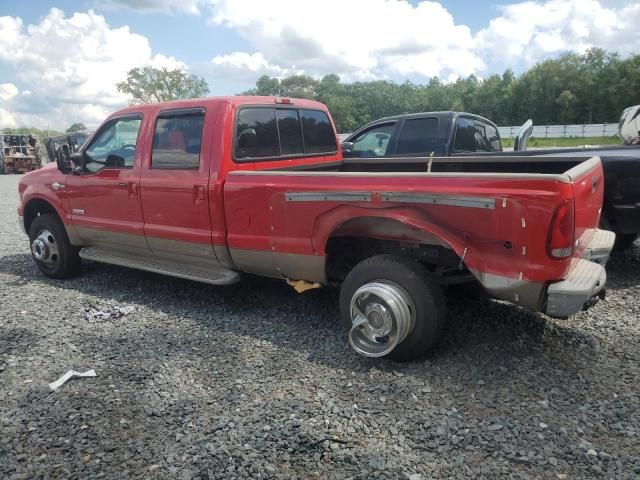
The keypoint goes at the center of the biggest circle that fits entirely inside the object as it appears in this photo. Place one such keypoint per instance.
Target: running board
(216, 275)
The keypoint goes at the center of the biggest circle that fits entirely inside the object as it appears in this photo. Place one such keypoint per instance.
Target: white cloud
(7, 91)
(364, 39)
(356, 39)
(527, 32)
(167, 6)
(70, 66)
(242, 67)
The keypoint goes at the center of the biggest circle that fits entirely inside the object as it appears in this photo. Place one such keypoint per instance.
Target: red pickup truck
(205, 189)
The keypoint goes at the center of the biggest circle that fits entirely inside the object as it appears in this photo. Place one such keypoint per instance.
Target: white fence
(562, 131)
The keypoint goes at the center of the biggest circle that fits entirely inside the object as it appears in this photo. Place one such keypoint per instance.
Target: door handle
(123, 184)
(198, 194)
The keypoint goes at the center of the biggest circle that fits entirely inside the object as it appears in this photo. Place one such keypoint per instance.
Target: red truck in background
(206, 189)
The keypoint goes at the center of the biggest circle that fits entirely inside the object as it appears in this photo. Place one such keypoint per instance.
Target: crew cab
(209, 189)
(462, 134)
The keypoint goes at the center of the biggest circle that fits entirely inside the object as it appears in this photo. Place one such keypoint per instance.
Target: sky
(60, 60)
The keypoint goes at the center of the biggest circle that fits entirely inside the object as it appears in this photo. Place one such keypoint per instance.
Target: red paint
(211, 206)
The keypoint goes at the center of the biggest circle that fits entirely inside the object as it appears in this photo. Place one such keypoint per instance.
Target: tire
(421, 290)
(50, 248)
(625, 240)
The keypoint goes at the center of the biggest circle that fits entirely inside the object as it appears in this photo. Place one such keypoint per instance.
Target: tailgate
(587, 180)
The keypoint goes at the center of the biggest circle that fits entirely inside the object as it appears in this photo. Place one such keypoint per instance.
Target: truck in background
(61, 147)
(19, 153)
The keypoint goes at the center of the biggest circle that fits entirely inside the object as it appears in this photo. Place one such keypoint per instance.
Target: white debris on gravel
(256, 381)
(70, 374)
(102, 314)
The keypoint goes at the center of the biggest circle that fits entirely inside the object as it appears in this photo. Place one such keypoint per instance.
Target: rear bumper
(586, 279)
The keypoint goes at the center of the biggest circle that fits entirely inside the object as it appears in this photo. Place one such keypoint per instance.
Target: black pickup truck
(452, 134)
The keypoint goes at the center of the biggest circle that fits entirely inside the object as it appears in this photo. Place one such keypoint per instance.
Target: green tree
(575, 88)
(565, 101)
(149, 84)
(76, 127)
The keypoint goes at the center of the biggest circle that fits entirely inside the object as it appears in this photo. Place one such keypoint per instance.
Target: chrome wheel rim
(382, 315)
(45, 248)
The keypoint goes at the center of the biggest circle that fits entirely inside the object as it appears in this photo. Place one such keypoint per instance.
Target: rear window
(267, 133)
(256, 133)
(317, 131)
(493, 138)
(465, 136)
(419, 135)
(290, 132)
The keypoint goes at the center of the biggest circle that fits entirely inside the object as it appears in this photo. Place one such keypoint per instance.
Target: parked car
(207, 189)
(452, 134)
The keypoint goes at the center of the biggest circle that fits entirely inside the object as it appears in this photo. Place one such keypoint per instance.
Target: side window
(317, 132)
(176, 141)
(114, 146)
(491, 137)
(465, 135)
(256, 133)
(373, 142)
(419, 135)
(289, 130)
(482, 144)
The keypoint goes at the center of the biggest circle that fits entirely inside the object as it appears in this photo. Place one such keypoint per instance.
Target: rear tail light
(561, 232)
(284, 101)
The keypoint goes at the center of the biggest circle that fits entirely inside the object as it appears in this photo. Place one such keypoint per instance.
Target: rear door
(419, 137)
(174, 186)
(104, 200)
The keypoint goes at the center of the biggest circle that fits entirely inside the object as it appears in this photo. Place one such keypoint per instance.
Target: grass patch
(565, 142)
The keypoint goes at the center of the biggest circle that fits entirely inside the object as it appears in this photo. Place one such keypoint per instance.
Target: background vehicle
(60, 147)
(205, 189)
(629, 126)
(461, 134)
(19, 153)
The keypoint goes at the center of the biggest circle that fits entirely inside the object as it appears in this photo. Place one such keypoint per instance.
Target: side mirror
(346, 147)
(522, 137)
(63, 159)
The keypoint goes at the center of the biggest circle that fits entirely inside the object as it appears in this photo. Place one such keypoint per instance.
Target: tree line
(593, 87)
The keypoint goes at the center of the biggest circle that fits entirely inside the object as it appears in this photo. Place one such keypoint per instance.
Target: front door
(175, 188)
(105, 199)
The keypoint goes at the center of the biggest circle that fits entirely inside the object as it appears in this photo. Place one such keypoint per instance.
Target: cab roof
(235, 101)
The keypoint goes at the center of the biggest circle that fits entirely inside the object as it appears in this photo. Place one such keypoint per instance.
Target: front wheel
(50, 247)
(392, 307)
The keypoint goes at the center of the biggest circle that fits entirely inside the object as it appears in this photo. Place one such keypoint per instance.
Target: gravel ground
(254, 380)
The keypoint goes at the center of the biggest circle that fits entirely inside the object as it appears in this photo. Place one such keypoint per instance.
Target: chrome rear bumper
(586, 279)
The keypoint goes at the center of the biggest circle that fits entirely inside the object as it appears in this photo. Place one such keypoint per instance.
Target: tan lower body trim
(521, 292)
(278, 264)
(205, 257)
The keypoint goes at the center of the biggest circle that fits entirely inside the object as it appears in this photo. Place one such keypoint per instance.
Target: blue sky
(60, 59)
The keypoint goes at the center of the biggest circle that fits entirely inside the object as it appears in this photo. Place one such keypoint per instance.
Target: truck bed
(495, 164)
(494, 213)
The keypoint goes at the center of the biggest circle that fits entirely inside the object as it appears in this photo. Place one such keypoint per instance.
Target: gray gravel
(254, 380)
